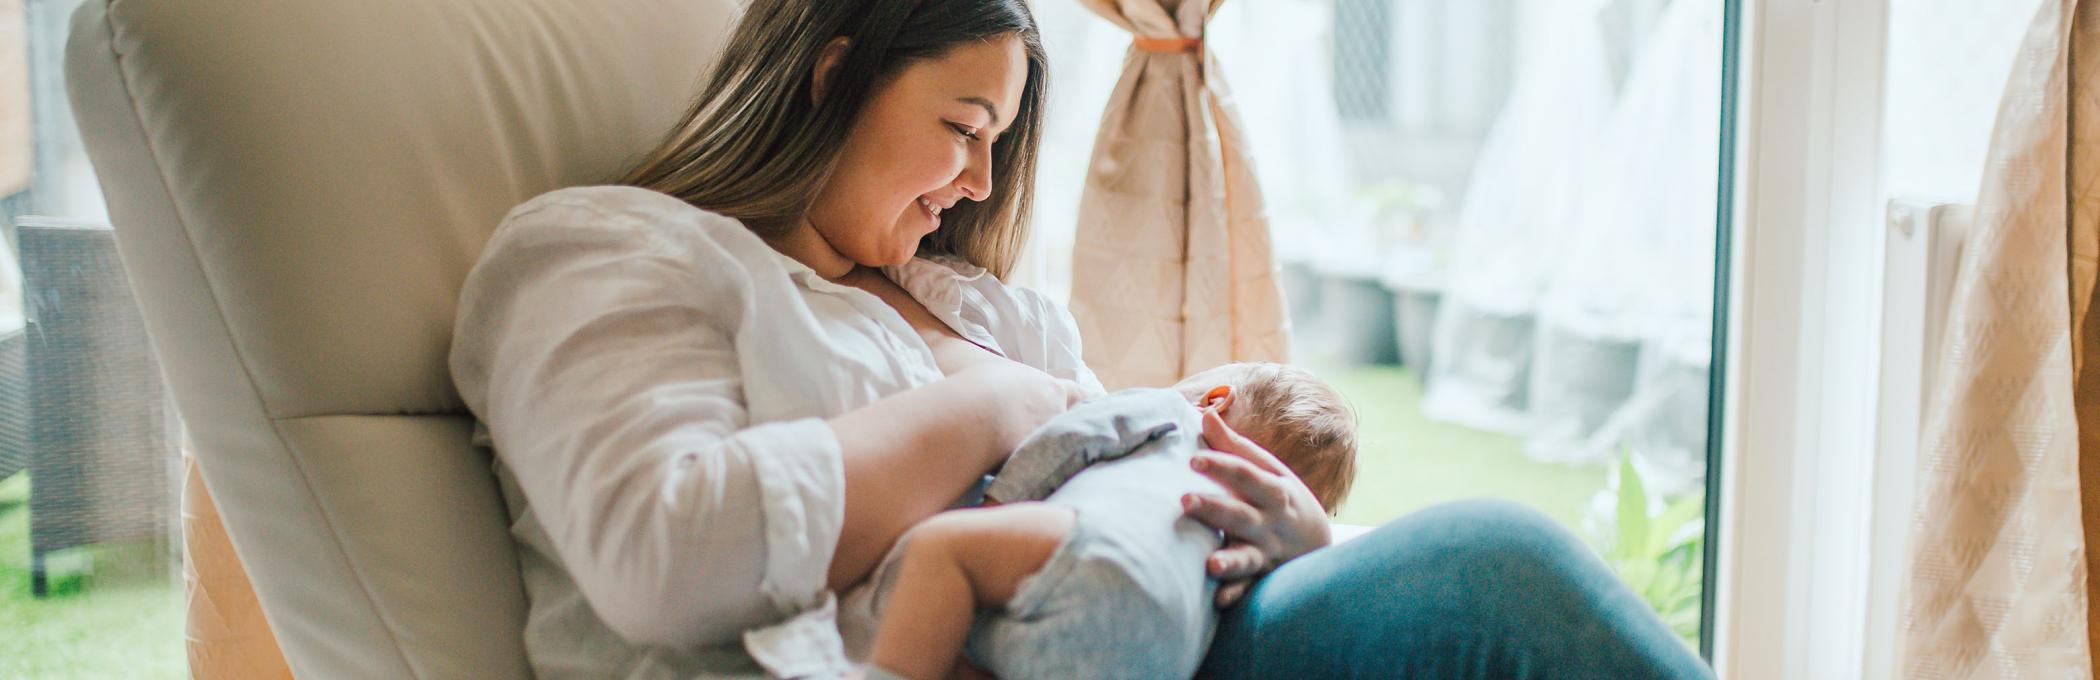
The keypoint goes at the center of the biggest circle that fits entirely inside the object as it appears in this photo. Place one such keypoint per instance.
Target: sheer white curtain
(1625, 325)
(1519, 201)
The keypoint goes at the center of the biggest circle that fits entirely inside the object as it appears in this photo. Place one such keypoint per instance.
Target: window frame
(1802, 386)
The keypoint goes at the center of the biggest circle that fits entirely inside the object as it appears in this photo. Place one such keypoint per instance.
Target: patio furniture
(102, 455)
(14, 399)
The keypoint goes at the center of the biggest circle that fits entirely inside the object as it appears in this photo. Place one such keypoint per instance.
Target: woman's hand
(1270, 518)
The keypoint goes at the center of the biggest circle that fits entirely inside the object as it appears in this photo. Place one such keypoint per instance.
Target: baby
(1090, 570)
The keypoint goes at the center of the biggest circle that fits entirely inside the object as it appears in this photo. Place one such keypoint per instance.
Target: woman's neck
(808, 247)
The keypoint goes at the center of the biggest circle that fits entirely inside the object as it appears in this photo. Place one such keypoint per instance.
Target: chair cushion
(299, 188)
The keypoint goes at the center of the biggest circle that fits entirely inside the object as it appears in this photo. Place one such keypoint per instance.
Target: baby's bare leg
(954, 563)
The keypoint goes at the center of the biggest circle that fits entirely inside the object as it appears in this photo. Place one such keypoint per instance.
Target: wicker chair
(14, 399)
(103, 459)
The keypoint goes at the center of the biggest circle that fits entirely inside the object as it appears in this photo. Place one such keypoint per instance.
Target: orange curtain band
(1168, 45)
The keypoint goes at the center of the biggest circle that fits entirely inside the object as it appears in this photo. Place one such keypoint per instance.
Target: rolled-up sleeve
(600, 354)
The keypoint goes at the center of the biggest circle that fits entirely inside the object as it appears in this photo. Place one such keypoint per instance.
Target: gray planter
(1414, 326)
(1578, 381)
(1481, 377)
(1358, 316)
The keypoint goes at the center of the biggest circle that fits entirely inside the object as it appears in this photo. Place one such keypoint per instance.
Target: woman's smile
(931, 211)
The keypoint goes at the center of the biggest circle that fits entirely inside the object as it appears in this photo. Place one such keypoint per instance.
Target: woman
(719, 391)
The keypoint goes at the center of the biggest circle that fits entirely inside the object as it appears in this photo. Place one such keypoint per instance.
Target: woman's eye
(965, 132)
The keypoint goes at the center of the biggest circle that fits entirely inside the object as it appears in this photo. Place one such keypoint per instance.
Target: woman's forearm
(906, 457)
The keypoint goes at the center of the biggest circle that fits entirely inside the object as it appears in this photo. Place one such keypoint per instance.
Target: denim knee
(1472, 552)
(1496, 531)
(1477, 588)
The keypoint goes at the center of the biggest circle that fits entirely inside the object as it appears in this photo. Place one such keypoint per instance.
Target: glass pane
(90, 566)
(1497, 223)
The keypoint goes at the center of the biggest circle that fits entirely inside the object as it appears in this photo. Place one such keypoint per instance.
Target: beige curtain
(1171, 265)
(228, 636)
(14, 98)
(2083, 231)
(1998, 587)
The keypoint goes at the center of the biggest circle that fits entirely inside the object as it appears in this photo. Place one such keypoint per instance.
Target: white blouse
(654, 381)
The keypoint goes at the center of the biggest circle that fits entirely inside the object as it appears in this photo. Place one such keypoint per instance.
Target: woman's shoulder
(636, 217)
(614, 206)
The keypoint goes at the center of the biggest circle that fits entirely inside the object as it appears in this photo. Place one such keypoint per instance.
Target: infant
(1090, 570)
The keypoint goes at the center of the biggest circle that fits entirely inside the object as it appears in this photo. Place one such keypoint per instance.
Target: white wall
(1947, 65)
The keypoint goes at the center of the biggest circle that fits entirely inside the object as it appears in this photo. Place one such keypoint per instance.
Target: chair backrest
(298, 189)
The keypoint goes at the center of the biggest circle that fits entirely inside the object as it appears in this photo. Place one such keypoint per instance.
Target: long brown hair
(754, 146)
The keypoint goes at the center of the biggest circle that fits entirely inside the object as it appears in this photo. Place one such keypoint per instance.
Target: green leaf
(1633, 512)
(1671, 524)
(1637, 575)
(1666, 581)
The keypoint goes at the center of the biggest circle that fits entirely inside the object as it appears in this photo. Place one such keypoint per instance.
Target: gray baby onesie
(1125, 595)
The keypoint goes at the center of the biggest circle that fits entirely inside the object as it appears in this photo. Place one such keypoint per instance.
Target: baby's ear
(1220, 397)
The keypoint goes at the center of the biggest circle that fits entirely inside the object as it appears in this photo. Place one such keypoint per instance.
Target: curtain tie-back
(1168, 45)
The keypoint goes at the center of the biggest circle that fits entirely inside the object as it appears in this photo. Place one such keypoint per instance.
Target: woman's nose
(976, 179)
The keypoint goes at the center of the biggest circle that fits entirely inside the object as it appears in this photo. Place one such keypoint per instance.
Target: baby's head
(1289, 412)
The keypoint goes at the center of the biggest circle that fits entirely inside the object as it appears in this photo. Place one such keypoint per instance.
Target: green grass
(1408, 461)
(117, 613)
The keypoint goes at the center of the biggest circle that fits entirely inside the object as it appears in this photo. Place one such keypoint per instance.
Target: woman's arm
(909, 455)
(598, 348)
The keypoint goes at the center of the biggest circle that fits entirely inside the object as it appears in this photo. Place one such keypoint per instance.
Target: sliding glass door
(1501, 227)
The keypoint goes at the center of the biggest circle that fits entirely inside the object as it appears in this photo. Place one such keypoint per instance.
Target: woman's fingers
(1238, 520)
(1236, 561)
(1235, 566)
(1257, 487)
(1219, 436)
(1230, 592)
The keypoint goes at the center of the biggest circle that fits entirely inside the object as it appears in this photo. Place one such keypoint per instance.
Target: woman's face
(923, 143)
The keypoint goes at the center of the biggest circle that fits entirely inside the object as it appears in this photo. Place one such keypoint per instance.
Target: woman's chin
(889, 258)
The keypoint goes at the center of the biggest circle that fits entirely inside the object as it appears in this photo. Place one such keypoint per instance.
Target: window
(89, 559)
(1497, 224)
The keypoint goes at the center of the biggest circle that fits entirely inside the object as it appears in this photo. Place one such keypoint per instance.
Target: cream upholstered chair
(298, 188)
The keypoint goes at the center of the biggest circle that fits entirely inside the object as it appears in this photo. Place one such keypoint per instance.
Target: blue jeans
(1470, 589)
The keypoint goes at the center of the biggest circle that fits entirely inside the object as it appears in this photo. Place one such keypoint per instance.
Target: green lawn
(1408, 461)
(117, 614)
(112, 618)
